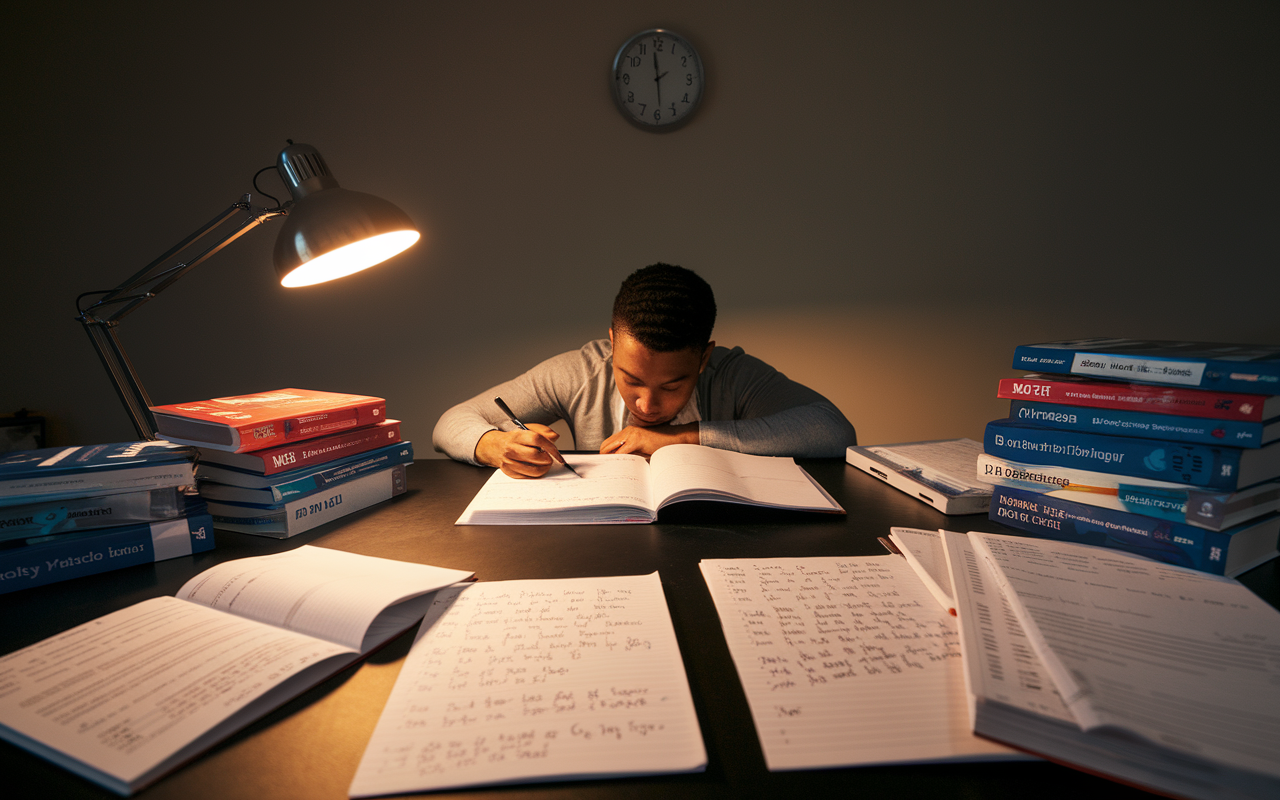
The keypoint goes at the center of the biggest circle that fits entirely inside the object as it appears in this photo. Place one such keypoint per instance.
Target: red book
(308, 452)
(257, 421)
(1180, 401)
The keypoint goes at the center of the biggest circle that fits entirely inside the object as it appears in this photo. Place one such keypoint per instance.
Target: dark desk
(310, 747)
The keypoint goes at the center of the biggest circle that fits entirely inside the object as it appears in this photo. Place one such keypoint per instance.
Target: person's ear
(611, 336)
(706, 356)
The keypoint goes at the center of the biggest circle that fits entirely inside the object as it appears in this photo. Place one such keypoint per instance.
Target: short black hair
(665, 308)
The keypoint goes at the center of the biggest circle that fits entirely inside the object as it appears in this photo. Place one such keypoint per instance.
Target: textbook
(1177, 502)
(1074, 390)
(60, 472)
(1217, 467)
(63, 556)
(308, 452)
(1249, 368)
(144, 689)
(45, 517)
(1228, 552)
(629, 489)
(1142, 672)
(291, 517)
(604, 697)
(235, 486)
(940, 473)
(1146, 425)
(256, 421)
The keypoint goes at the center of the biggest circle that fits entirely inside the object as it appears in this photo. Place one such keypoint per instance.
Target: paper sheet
(537, 679)
(845, 661)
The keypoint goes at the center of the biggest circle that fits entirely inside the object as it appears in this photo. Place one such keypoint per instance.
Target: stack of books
(1179, 462)
(282, 462)
(72, 511)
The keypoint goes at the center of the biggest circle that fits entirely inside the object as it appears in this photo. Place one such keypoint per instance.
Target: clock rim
(617, 99)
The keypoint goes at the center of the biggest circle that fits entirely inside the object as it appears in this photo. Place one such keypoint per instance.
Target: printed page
(950, 465)
(536, 680)
(692, 472)
(123, 695)
(330, 594)
(1158, 650)
(845, 661)
(924, 552)
(1000, 664)
(617, 481)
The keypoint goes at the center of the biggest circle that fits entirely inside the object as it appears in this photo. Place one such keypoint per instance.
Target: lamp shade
(329, 231)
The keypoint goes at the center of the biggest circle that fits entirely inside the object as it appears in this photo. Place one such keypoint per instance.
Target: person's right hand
(520, 454)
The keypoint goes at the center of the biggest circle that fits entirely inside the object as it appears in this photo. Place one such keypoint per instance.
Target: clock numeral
(657, 115)
(686, 98)
(657, 44)
(631, 97)
(642, 105)
(635, 61)
(684, 61)
(673, 109)
(643, 50)
(626, 78)
(688, 79)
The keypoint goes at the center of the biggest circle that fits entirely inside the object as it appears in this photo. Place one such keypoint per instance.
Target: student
(657, 380)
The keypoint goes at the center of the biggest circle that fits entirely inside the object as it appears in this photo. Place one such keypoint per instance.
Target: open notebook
(625, 488)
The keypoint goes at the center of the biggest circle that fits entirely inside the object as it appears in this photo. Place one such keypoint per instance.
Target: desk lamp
(329, 232)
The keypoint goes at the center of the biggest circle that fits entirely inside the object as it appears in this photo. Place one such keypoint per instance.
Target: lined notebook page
(845, 661)
(536, 680)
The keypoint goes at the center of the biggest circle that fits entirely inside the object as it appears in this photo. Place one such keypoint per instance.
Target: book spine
(1142, 424)
(313, 452)
(1155, 459)
(73, 555)
(1229, 376)
(301, 487)
(88, 512)
(1176, 401)
(306, 513)
(96, 481)
(1163, 540)
(256, 436)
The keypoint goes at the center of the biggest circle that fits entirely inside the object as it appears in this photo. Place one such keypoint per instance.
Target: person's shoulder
(586, 359)
(724, 359)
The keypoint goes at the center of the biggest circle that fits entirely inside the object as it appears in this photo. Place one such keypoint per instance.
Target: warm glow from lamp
(350, 259)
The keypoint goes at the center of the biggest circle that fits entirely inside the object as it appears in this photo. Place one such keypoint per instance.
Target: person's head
(661, 334)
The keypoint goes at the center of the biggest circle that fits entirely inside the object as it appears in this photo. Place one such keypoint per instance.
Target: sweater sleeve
(753, 408)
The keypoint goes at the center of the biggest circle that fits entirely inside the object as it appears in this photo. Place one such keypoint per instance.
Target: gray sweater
(740, 403)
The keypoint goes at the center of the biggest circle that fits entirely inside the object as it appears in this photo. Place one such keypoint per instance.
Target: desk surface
(310, 747)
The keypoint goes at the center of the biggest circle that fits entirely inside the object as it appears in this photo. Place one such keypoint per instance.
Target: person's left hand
(644, 441)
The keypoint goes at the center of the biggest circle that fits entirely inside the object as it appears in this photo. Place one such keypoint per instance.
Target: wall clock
(657, 80)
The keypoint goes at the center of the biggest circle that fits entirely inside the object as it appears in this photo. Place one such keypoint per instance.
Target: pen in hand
(553, 452)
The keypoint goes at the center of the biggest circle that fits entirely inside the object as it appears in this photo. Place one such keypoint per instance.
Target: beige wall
(887, 196)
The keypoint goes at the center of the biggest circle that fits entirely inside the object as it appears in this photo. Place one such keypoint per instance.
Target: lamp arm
(146, 284)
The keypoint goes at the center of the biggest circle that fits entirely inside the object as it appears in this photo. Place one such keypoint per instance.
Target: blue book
(65, 556)
(55, 472)
(1250, 368)
(1227, 468)
(1228, 552)
(231, 485)
(1146, 425)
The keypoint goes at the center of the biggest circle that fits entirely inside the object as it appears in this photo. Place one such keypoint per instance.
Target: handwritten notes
(845, 661)
(538, 679)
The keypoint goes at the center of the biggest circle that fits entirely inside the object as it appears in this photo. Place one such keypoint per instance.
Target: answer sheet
(845, 661)
(536, 680)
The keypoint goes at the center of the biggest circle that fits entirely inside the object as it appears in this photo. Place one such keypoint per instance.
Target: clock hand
(657, 78)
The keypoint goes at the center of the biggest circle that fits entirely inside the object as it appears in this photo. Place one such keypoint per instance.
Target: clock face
(657, 80)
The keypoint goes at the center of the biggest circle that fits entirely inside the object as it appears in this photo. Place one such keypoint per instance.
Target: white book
(130, 696)
(292, 517)
(942, 473)
(533, 680)
(846, 661)
(1151, 674)
(629, 489)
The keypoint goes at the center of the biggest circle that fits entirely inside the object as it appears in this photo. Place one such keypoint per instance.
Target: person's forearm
(816, 430)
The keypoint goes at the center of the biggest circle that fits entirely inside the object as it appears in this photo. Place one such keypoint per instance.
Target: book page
(845, 661)
(617, 481)
(949, 465)
(536, 680)
(690, 471)
(124, 693)
(924, 551)
(1155, 649)
(330, 594)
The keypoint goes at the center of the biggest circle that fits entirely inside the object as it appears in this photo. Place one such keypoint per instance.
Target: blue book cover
(1227, 468)
(229, 484)
(1145, 424)
(1228, 552)
(1250, 368)
(71, 471)
(65, 556)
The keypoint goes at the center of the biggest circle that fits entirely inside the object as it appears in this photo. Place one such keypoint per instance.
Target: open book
(1144, 672)
(625, 488)
(536, 680)
(127, 697)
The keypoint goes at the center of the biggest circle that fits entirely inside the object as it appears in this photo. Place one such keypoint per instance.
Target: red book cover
(308, 452)
(1179, 401)
(256, 421)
